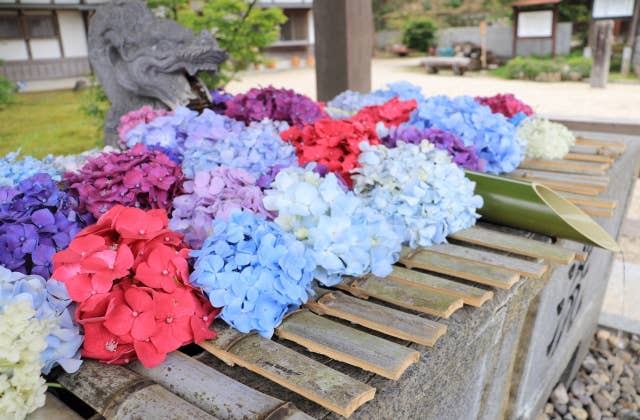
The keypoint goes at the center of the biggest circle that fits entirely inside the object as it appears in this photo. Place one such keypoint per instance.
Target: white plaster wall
(8, 1)
(72, 32)
(15, 49)
(45, 48)
(35, 1)
(312, 34)
(66, 1)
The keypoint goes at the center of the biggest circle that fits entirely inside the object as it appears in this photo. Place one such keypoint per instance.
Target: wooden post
(627, 53)
(601, 53)
(514, 45)
(343, 46)
(554, 30)
(483, 43)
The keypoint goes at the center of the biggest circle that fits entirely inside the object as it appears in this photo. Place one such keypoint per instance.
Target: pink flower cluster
(144, 115)
(214, 195)
(506, 104)
(133, 178)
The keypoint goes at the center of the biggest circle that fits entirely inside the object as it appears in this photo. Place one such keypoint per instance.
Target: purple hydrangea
(36, 220)
(464, 156)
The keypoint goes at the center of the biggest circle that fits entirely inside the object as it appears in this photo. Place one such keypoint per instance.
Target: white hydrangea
(418, 188)
(545, 139)
(22, 339)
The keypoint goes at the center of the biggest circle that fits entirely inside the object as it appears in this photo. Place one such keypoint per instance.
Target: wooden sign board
(535, 24)
(607, 9)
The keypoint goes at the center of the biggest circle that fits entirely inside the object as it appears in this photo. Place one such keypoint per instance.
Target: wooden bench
(458, 64)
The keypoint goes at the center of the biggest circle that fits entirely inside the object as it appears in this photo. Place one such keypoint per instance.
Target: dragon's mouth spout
(201, 98)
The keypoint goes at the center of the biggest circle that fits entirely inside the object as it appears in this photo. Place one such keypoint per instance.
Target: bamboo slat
(615, 145)
(377, 317)
(210, 390)
(525, 268)
(462, 268)
(470, 295)
(300, 374)
(588, 157)
(595, 150)
(590, 202)
(568, 166)
(349, 345)
(116, 392)
(515, 244)
(597, 212)
(580, 180)
(411, 297)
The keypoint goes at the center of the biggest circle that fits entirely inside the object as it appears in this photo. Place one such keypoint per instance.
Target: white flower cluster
(417, 188)
(345, 236)
(22, 340)
(545, 139)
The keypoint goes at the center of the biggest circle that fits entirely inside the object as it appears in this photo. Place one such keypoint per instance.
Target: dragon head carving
(143, 60)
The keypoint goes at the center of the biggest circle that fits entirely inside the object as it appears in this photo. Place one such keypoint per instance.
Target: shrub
(539, 68)
(420, 34)
(7, 90)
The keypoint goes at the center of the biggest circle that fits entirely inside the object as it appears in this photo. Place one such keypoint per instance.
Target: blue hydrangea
(254, 271)
(13, 170)
(418, 188)
(51, 303)
(256, 148)
(349, 102)
(493, 137)
(166, 133)
(345, 236)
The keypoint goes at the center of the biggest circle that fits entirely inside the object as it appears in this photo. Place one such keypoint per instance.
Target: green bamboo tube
(536, 208)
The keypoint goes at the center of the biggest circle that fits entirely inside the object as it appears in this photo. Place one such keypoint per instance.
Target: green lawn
(47, 122)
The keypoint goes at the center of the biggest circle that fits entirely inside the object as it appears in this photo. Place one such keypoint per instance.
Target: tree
(420, 34)
(240, 28)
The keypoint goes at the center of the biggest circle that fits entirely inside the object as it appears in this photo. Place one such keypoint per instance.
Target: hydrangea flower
(256, 148)
(506, 104)
(219, 99)
(464, 156)
(253, 270)
(137, 178)
(163, 133)
(50, 301)
(345, 236)
(144, 115)
(36, 220)
(130, 275)
(14, 170)
(274, 104)
(22, 340)
(493, 137)
(545, 139)
(418, 189)
(347, 103)
(214, 195)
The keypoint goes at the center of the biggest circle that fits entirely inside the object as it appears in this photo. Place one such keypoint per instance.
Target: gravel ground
(607, 385)
(573, 99)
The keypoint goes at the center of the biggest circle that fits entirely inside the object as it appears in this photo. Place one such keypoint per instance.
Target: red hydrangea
(506, 104)
(133, 178)
(130, 276)
(335, 143)
(391, 113)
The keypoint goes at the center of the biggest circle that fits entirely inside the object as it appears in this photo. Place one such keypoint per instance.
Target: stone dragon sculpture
(143, 60)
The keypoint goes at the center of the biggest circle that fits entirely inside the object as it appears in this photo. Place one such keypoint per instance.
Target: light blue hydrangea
(418, 188)
(167, 132)
(13, 170)
(51, 303)
(256, 148)
(349, 102)
(254, 271)
(493, 137)
(345, 236)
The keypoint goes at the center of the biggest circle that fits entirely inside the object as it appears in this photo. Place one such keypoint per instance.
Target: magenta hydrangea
(464, 156)
(214, 195)
(133, 178)
(274, 104)
(144, 115)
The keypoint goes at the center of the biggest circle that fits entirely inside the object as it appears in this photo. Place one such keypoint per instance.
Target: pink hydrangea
(133, 178)
(145, 115)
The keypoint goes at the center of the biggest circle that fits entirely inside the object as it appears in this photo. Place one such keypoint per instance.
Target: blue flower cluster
(348, 102)
(345, 236)
(254, 271)
(36, 220)
(418, 188)
(14, 170)
(493, 137)
(50, 301)
(256, 148)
